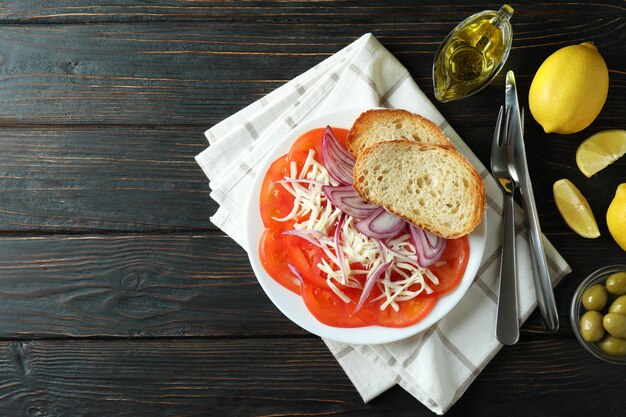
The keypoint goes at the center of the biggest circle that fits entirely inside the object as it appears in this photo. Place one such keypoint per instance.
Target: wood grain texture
(175, 285)
(183, 77)
(34, 11)
(277, 378)
(199, 73)
(105, 239)
(108, 179)
(128, 286)
(103, 179)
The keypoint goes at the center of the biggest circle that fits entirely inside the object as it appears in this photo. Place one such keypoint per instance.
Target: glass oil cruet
(472, 54)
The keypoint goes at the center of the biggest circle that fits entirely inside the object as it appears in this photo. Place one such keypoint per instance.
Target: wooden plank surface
(174, 285)
(199, 73)
(103, 179)
(117, 295)
(108, 179)
(192, 73)
(406, 11)
(295, 377)
(127, 286)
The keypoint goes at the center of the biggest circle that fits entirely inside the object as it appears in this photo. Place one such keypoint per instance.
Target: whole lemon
(569, 89)
(616, 216)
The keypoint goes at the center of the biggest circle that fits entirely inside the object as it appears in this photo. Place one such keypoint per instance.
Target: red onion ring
(369, 285)
(336, 158)
(428, 247)
(338, 248)
(346, 199)
(381, 225)
(295, 271)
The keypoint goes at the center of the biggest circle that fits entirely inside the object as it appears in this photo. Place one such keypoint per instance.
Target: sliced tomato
(410, 312)
(305, 256)
(310, 140)
(313, 140)
(276, 250)
(329, 309)
(451, 272)
(276, 201)
(274, 259)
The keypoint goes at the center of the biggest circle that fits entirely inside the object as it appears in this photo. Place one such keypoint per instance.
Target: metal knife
(541, 275)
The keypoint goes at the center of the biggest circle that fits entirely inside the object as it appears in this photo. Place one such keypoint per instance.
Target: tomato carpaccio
(276, 250)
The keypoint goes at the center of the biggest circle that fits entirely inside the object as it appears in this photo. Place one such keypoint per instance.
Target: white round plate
(292, 305)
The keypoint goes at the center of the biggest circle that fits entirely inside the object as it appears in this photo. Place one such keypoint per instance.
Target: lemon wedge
(600, 150)
(575, 209)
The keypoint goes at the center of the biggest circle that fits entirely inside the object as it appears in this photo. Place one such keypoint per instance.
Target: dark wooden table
(118, 297)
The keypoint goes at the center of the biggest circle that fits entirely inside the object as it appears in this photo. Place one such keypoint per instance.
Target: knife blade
(541, 275)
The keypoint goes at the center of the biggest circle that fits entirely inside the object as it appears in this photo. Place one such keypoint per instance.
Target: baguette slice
(430, 186)
(382, 125)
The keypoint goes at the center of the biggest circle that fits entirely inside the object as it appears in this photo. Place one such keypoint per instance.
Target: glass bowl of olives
(598, 314)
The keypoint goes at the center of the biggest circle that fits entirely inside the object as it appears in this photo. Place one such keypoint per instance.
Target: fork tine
(522, 119)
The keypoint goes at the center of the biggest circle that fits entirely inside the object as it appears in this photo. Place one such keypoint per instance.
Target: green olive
(591, 326)
(619, 305)
(616, 283)
(613, 345)
(594, 297)
(615, 324)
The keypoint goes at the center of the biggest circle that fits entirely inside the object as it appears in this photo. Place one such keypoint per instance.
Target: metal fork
(507, 324)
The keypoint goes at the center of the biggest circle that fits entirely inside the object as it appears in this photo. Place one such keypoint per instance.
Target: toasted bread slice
(430, 186)
(383, 125)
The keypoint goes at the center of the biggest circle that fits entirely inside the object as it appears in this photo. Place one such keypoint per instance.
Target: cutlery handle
(507, 324)
(541, 275)
(543, 284)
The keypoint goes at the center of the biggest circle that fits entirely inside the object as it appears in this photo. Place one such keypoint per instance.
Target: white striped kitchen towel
(437, 365)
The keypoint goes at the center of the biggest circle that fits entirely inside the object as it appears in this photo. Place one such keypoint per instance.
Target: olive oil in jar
(472, 54)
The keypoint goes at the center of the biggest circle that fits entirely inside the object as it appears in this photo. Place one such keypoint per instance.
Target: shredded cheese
(313, 211)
